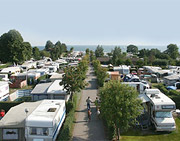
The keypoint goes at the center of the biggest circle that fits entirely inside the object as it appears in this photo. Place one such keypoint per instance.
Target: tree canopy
(132, 49)
(13, 49)
(99, 52)
(120, 105)
(172, 51)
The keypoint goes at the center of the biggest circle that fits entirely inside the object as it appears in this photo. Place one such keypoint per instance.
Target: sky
(92, 22)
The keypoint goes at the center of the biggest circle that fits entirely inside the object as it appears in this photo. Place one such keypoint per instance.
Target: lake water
(107, 48)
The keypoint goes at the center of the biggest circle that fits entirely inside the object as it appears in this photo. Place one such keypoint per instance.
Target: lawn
(153, 136)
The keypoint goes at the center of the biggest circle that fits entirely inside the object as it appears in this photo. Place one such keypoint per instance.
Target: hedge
(7, 105)
(66, 131)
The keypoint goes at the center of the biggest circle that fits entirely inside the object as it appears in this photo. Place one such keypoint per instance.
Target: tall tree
(12, 47)
(36, 53)
(99, 52)
(49, 46)
(117, 56)
(87, 51)
(120, 105)
(172, 51)
(132, 49)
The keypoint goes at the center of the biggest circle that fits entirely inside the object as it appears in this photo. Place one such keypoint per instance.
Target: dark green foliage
(49, 46)
(160, 62)
(73, 80)
(118, 57)
(36, 53)
(44, 77)
(87, 51)
(44, 53)
(24, 99)
(7, 105)
(132, 49)
(99, 52)
(100, 72)
(66, 130)
(13, 49)
(172, 51)
(69, 106)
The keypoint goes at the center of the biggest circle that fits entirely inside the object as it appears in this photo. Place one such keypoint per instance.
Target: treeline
(14, 49)
(142, 57)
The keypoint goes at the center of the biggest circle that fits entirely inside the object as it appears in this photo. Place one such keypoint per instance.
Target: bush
(66, 131)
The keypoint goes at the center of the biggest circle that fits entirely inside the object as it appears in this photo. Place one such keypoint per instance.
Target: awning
(144, 98)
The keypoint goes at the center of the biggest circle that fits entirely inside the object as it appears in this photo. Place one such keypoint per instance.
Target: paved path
(88, 130)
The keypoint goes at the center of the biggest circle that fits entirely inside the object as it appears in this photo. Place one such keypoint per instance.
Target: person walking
(89, 114)
(89, 101)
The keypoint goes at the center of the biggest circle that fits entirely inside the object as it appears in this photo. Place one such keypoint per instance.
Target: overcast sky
(92, 22)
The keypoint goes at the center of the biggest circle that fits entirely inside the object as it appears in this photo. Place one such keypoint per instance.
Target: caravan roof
(45, 113)
(158, 98)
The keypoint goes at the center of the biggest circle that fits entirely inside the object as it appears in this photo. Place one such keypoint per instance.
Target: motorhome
(139, 86)
(45, 121)
(123, 69)
(4, 91)
(159, 108)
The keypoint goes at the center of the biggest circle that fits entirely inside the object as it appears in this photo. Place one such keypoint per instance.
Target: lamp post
(26, 111)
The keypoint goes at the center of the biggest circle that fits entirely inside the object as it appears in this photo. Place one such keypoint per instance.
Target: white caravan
(44, 123)
(4, 91)
(139, 86)
(160, 110)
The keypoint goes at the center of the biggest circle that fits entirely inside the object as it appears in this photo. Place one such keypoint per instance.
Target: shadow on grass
(139, 132)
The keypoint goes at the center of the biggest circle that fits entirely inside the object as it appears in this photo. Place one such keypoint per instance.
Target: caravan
(159, 108)
(44, 123)
(139, 86)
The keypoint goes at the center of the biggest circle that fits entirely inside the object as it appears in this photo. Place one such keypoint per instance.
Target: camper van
(4, 91)
(44, 123)
(160, 108)
(139, 86)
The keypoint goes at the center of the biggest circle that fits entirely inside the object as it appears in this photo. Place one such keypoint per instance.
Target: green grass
(153, 136)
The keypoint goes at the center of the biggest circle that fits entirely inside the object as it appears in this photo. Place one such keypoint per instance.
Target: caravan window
(163, 115)
(39, 131)
(9, 134)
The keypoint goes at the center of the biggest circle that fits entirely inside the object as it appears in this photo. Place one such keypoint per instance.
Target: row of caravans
(35, 121)
(157, 105)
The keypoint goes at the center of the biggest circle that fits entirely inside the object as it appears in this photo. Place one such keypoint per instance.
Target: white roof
(55, 88)
(49, 88)
(41, 88)
(172, 77)
(41, 117)
(15, 117)
(159, 98)
(10, 69)
(2, 83)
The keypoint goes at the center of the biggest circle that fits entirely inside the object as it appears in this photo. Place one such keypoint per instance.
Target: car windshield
(163, 115)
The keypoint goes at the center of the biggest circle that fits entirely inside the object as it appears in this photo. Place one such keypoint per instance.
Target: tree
(132, 49)
(99, 52)
(36, 53)
(73, 80)
(120, 105)
(13, 49)
(44, 53)
(128, 62)
(49, 45)
(117, 56)
(172, 51)
(87, 51)
(160, 62)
